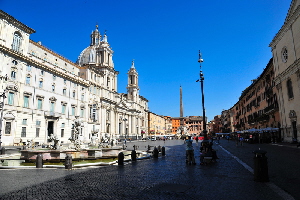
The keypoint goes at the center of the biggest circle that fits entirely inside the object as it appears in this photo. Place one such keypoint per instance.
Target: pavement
(167, 177)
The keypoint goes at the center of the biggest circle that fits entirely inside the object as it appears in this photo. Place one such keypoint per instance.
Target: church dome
(87, 56)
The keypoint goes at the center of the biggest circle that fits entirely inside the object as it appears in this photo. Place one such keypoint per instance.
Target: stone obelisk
(181, 111)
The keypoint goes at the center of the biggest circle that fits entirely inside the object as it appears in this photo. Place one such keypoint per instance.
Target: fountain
(93, 153)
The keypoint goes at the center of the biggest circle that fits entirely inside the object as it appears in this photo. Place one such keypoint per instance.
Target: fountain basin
(76, 154)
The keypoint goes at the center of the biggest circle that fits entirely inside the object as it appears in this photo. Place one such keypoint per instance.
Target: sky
(164, 38)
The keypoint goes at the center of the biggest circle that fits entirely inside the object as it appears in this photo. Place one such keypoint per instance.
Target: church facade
(44, 91)
(286, 59)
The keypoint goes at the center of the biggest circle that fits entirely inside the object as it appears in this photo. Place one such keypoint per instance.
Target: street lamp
(200, 60)
(1, 117)
(126, 126)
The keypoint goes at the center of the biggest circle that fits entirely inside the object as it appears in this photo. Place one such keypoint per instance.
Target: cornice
(15, 22)
(62, 73)
(292, 69)
(54, 53)
(287, 24)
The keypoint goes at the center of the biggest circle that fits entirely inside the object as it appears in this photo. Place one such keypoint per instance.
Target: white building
(45, 91)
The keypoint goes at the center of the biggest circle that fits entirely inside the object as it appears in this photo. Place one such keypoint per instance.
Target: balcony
(52, 114)
(271, 109)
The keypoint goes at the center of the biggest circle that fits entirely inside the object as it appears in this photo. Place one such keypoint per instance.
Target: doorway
(50, 128)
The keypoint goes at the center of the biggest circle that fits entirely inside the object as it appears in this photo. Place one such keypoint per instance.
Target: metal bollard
(2, 151)
(133, 155)
(121, 158)
(155, 153)
(163, 151)
(124, 146)
(39, 161)
(260, 166)
(68, 161)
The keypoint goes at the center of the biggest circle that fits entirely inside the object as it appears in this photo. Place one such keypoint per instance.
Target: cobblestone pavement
(163, 178)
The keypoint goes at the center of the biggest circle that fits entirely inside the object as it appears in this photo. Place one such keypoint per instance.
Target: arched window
(17, 41)
(290, 89)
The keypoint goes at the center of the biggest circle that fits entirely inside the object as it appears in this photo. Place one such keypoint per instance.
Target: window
(63, 109)
(28, 80)
(62, 132)
(42, 72)
(41, 84)
(290, 88)
(7, 128)
(38, 123)
(73, 111)
(24, 121)
(52, 105)
(29, 68)
(26, 102)
(74, 94)
(53, 88)
(17, 41)
(62, 125)
(93, 113)
(64, 91)
(40, 104)
(82, 97)
(23, 133)
(13, 75)
(81, 112)
(54, 77)
(11, 98)
(284, 54)
(65, 81)
(37, 132)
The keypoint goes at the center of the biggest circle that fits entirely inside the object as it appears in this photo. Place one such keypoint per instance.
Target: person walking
(190, 158)
(241, 140)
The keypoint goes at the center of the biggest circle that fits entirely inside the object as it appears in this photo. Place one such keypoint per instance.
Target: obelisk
(181, 111)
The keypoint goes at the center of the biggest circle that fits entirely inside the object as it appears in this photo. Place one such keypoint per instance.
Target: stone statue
(55, 141)
(76, 138)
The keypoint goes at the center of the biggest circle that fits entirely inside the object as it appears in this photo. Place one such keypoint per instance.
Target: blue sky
(164, 37)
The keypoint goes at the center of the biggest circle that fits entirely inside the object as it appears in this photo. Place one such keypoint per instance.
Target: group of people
(206, 150)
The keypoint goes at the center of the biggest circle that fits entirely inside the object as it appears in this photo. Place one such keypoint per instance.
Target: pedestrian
(227, 137)
(125, 140)
(241, 140)
(189, 149)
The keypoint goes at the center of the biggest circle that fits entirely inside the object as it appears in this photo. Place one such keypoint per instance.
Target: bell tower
(132, 85)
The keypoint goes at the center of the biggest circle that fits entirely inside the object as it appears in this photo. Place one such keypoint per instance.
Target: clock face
(284, 54)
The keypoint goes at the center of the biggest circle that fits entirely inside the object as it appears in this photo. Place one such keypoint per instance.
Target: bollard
(2, 151)
(159, 148)
(260, 166)
(163, 151)
(68, 161)
(124, 146)
(155, 153)
(133, 155)
(121, 158)
(134, 147)
(39, 161)
(149, 147)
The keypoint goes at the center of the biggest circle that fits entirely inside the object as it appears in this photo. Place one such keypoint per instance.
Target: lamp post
(1, 117)
(200, 60)
(126, 127)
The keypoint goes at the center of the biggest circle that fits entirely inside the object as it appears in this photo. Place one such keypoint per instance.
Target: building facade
(157, 124)
(45, 91)
(285, 48)
(257, 107)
